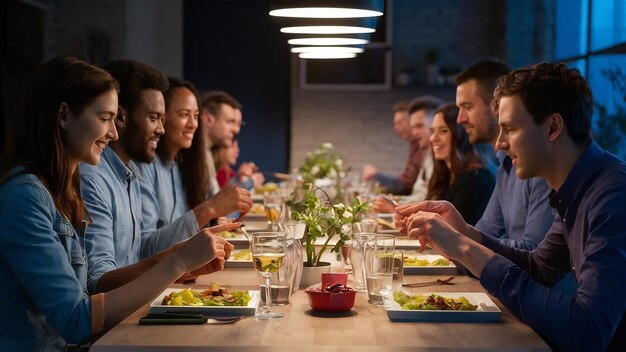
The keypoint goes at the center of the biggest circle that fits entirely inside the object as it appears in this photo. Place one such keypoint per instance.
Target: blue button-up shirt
(43, 299)
(115, 238)
(518, 212)
(588, 237)
(163, 198)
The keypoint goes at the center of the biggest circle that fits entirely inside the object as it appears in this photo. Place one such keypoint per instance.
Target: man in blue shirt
(111, 189)
(545, 128)
(518, 212)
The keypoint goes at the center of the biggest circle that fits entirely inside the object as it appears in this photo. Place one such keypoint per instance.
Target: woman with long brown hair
(69, 118)
(458, 174)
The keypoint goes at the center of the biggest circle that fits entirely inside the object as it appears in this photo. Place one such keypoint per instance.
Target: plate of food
(239, 258)
(257, 212)
(427, 264)
(215, 301)
(439, 307)
(386, 225)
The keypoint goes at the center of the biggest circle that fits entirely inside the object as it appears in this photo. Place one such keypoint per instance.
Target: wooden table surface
(365, 328)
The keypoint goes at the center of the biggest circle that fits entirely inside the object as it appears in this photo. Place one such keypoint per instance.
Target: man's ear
(62, 115)
(121, 118)
(493, 108)
(555, 125)
(207, 117)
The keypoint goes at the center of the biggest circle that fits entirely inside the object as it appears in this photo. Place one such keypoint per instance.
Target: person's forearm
(205, 212)
(119, 277)
(475, 256)
(126, 299)
(473, 234)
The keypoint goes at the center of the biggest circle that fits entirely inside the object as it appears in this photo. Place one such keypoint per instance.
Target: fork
(430, 283)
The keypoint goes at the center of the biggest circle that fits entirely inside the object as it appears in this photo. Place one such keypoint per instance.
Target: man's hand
(368, 172)
(247, 169)
(381, 205)
(229, 199)
(257, 179)
(206, 252)
(445, 209)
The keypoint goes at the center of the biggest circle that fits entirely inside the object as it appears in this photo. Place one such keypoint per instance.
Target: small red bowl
(330, 301)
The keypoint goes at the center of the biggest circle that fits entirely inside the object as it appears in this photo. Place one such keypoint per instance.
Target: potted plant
(313, 206)
(324, 168)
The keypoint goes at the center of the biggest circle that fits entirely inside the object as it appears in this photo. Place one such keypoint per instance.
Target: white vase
(312, 275)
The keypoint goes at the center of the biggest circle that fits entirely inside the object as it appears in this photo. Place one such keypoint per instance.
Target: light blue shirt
(163, 198)
(115, 239)
(518, 212)
(43, 299)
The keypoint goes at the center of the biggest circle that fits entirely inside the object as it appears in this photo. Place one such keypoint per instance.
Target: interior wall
(234, 45)
(359, 122)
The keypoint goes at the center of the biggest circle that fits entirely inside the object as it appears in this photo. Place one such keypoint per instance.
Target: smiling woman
(458, 174)
(69, 119)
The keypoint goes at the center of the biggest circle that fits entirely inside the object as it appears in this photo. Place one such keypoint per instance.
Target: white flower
(339, 163)
(347, 214)
(342, 174)
(339, 206)
(314, 170)
(332, 173)
(327, 145)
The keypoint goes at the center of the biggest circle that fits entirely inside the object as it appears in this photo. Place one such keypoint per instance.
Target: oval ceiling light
(328, 49)
(327, 30)
(324, 12)
(326, 55)
(327, 41)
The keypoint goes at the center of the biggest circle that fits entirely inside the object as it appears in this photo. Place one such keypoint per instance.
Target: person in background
(224, 158)
(399, 184)
(421, 111)
(545, 113)
(518, 212)
(69, 118)
(175, 184)
(117, 238)
(458, 174)
(221, 113)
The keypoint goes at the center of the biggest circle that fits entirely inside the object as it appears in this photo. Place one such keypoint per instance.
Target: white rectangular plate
(449, 269)
(256, 225)
(157, 307)
(487, 310)
(238, 263)
(255, 217)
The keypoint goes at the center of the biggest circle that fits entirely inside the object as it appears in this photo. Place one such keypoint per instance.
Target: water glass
(357, 258)
(379, 260)
(398, 271)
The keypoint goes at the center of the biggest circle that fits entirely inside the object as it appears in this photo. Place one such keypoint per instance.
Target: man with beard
(111, 189)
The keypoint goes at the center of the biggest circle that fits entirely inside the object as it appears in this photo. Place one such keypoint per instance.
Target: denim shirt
(43, 299)
(111, 194)
(588, 237)
(518, 212)
(117, 237)
(163, 198)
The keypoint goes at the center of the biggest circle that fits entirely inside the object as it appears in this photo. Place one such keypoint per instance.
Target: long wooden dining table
(364, 328)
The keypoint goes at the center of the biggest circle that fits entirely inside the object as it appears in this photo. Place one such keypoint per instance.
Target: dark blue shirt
(588, 237)
(518, 213)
